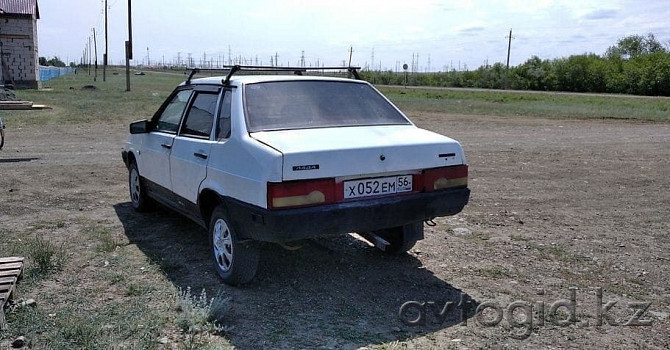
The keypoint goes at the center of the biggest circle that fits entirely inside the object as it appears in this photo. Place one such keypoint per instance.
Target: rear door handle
(165, 145)
(200, 155)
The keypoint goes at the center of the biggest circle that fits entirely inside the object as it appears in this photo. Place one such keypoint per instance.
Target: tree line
(636, 65)
(54, 62)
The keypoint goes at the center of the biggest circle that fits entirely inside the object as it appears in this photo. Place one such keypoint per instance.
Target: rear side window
(171, 115)
(200, 116)
(285, 105)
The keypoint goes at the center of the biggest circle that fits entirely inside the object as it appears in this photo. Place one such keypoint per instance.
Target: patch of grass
(116, 278)
(138, 289)
(46, 256)
(75, 326)
(162, 264)
(106, 242)
(492, 272)
(109, 102)
(558, 253)
(514, 103)
(81, 332)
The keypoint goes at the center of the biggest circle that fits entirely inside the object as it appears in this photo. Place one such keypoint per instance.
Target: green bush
(636, 65)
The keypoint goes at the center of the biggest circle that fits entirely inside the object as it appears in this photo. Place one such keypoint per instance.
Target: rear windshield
(283, 105)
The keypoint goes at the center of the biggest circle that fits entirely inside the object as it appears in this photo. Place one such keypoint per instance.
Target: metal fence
(48, 73)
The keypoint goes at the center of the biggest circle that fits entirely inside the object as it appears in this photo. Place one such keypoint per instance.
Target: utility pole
(351, 52)
(276, 59)
(89, 55)
(129, 46)
(509, 47)
(104, 58)
(95, 45)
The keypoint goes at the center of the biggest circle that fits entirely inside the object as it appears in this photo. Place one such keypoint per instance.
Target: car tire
(401, 239)
(236, 262)
(138, 194)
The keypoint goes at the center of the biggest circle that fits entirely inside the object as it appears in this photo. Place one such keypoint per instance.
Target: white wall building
(19, 58)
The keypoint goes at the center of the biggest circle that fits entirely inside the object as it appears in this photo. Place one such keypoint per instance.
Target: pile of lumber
(20, 105)
(11, 270)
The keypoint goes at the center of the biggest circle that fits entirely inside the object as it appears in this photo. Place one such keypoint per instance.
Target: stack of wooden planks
(20, 105)
(11, 270)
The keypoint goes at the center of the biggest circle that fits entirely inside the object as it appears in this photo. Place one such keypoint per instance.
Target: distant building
(18, 43)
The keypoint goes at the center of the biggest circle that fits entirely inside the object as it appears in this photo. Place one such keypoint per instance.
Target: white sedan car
(284, 158)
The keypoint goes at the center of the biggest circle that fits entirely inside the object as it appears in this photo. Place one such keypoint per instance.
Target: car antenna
(194, 71)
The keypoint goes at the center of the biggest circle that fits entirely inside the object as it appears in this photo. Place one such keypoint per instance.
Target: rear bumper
(356, 216)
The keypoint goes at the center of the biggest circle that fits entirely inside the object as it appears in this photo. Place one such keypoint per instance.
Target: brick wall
(18, 36)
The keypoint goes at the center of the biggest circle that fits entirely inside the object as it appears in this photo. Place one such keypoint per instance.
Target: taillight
(293, 194)
(447, 177)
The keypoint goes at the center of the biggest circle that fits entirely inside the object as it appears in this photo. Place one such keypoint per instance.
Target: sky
(435, 35)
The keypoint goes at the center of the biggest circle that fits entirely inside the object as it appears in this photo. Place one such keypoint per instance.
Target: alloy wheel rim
(223, 245)
(134, 187)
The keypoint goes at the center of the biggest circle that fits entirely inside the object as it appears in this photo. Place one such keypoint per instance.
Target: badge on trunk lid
(306, 167)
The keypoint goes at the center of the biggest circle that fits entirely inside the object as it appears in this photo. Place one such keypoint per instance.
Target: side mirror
(139, 127)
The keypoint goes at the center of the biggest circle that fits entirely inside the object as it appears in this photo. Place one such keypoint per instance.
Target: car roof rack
(296, 70)
(194, 71)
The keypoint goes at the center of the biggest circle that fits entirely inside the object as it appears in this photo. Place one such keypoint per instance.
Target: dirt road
(555, 204)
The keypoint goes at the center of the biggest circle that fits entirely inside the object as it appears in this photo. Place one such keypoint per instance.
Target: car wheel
(138, 195)
(401, 239)
(236, 262)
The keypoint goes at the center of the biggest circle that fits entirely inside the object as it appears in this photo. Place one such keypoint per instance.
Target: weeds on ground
(199, 317)
(47, 257)
(107, 243)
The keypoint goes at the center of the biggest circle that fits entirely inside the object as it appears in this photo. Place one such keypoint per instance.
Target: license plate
(377, 187)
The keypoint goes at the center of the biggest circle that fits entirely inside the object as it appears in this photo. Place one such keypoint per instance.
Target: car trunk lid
(361, 151)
